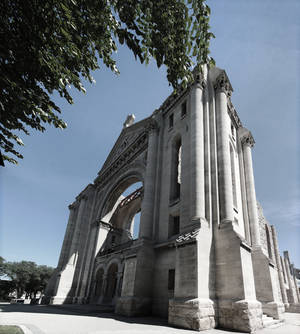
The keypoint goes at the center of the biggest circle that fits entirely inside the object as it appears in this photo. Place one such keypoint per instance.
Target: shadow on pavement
(82, 310)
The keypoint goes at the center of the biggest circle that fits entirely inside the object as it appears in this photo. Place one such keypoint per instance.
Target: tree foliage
(50, 45)
(27, 276)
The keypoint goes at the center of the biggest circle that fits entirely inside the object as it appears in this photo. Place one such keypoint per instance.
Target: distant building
(205, 256)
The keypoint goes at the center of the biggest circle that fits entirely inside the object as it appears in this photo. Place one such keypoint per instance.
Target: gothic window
(171, 280)
(176, 170)
(183, 109)
(233, 178)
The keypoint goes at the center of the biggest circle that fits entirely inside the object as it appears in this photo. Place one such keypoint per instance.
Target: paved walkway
(75, 319)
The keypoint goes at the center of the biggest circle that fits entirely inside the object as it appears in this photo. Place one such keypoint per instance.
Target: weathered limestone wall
(164, 261)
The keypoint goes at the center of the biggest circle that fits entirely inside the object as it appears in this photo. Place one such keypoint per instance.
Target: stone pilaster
(279, 268)
(63, 259)
(147, 210)
(237, 306)
(76, 236)
(223, 91)
(197, 152)
(247, 142)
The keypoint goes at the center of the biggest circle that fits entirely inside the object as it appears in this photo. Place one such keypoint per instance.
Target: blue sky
(257, 43)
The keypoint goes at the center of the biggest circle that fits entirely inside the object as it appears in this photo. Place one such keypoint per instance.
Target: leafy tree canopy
(50, 45)
(27, 276)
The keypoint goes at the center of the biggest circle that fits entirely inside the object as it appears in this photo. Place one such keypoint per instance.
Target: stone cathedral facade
(205, 256)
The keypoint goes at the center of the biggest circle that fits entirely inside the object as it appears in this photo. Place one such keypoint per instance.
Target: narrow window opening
(171, 121)
(183, 109)
(174, 225)
(176, 171)
(171, 280)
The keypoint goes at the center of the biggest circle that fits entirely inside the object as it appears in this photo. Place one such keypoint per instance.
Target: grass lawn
(10, 330)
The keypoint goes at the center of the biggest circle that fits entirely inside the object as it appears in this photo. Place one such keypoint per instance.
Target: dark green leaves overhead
(49, 45)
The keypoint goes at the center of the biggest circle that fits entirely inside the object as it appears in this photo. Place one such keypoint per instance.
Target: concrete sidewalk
(89, 319)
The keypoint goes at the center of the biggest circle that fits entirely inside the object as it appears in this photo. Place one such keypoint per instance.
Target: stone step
(270, 322)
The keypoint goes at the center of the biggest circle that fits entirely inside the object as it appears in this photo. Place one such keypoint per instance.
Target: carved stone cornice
(248, 139)
(233, 114)
(151, 126)
(223, 84)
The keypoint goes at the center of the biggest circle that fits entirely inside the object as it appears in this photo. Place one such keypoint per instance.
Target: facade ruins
(205, 256)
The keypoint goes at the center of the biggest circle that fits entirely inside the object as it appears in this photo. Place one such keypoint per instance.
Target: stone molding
(233, 114)
(127, 156)
(223, 84)
(248, 139)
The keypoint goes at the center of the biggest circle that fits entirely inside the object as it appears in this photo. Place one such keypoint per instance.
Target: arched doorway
(111, 286)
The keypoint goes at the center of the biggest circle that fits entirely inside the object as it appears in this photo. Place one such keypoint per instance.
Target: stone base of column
(133, 306)
(243, 315)
(196, 314)
(273, 309)
(55, 300)
(293, 308)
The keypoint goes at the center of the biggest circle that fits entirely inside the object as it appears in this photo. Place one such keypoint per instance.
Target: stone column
(147, 210)
(279, 268)
(197, 152)
(63, 259)
(247, 143)
(223, 92)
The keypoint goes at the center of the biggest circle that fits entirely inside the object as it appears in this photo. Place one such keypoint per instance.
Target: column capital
(222, 84)
(248, 140)
(199, 80)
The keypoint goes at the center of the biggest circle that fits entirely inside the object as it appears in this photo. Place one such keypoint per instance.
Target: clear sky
(257, 43)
